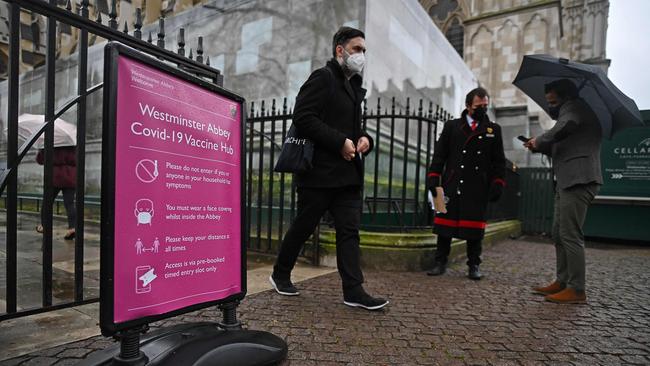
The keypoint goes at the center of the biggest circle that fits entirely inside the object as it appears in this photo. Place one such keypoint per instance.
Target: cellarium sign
(626, 163)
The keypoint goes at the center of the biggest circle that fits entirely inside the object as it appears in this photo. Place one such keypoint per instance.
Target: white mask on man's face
(354, 62)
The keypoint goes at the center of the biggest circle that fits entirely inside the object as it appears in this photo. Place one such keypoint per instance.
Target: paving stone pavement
(451, 320)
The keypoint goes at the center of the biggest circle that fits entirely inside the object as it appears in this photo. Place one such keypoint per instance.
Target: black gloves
(433, 181)
(496, 190)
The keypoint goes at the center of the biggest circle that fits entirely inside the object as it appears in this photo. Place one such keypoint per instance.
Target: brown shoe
(553, 288)
(568, 296)
(69, 235)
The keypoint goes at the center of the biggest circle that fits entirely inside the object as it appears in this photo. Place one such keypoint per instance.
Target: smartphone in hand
(523, 138)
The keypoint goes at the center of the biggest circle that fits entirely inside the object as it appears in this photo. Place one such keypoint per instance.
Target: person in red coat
(64, 180)
(469, 163)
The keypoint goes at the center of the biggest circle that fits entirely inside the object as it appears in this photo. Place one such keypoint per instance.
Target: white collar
(470, 120)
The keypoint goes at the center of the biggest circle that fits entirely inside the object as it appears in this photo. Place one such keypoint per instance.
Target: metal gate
(536, 201)
(394, 196)
(79, 19)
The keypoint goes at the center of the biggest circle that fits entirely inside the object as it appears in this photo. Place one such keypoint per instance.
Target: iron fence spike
(181, 41)
(83, 9)
(138, 24)
(199, 50)
(112, 16)
(161, 33)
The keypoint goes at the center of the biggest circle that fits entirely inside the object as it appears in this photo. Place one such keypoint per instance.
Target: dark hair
(564, 88)
(343, 35)
(478, 92)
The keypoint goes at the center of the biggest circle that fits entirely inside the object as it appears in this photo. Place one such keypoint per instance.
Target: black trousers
(474, 249)
(344, 204)
(68, 202)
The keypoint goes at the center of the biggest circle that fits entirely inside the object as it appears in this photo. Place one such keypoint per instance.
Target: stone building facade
(492, 36)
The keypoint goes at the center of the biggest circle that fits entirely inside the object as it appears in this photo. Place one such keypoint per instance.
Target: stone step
(409, 251)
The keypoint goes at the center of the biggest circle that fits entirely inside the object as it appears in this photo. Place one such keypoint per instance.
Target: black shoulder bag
(297, 152)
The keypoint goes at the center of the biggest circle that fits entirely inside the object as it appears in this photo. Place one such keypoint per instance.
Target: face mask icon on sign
(144, 211)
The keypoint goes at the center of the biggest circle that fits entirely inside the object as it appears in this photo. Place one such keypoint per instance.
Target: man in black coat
(469, 164)
(328, 111)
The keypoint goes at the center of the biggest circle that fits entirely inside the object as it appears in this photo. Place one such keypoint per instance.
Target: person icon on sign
(139, 246)
(156, 244)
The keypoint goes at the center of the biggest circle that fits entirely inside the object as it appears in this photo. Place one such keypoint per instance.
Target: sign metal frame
(113, 52)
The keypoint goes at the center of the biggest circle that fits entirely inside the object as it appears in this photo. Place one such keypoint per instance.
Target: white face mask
(355, 62)
(144, 218)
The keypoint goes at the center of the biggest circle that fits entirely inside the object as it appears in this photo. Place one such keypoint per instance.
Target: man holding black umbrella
(587, 106)
(574, 145)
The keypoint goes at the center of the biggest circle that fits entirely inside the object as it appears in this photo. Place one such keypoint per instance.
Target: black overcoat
(468, 163)
(327, 111)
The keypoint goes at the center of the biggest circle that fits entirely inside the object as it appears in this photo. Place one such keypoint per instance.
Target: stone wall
(498, 33)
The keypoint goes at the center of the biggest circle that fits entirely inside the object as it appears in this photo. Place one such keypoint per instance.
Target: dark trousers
(344, 204)
(68, 202)
(571, 206)
(474, 249)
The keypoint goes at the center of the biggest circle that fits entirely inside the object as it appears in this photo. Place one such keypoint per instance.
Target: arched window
(455, 35)
(442, 9)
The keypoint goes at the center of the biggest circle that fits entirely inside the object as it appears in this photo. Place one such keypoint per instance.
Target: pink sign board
(177, 215)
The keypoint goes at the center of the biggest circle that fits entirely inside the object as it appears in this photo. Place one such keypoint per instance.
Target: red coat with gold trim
(468, 163)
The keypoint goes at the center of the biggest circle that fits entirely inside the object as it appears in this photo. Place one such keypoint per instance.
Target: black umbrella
(614, 109)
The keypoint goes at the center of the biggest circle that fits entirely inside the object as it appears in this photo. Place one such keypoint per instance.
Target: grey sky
(628, 46)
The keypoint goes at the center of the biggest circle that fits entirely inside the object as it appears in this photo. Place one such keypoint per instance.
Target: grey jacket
(574, 144)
